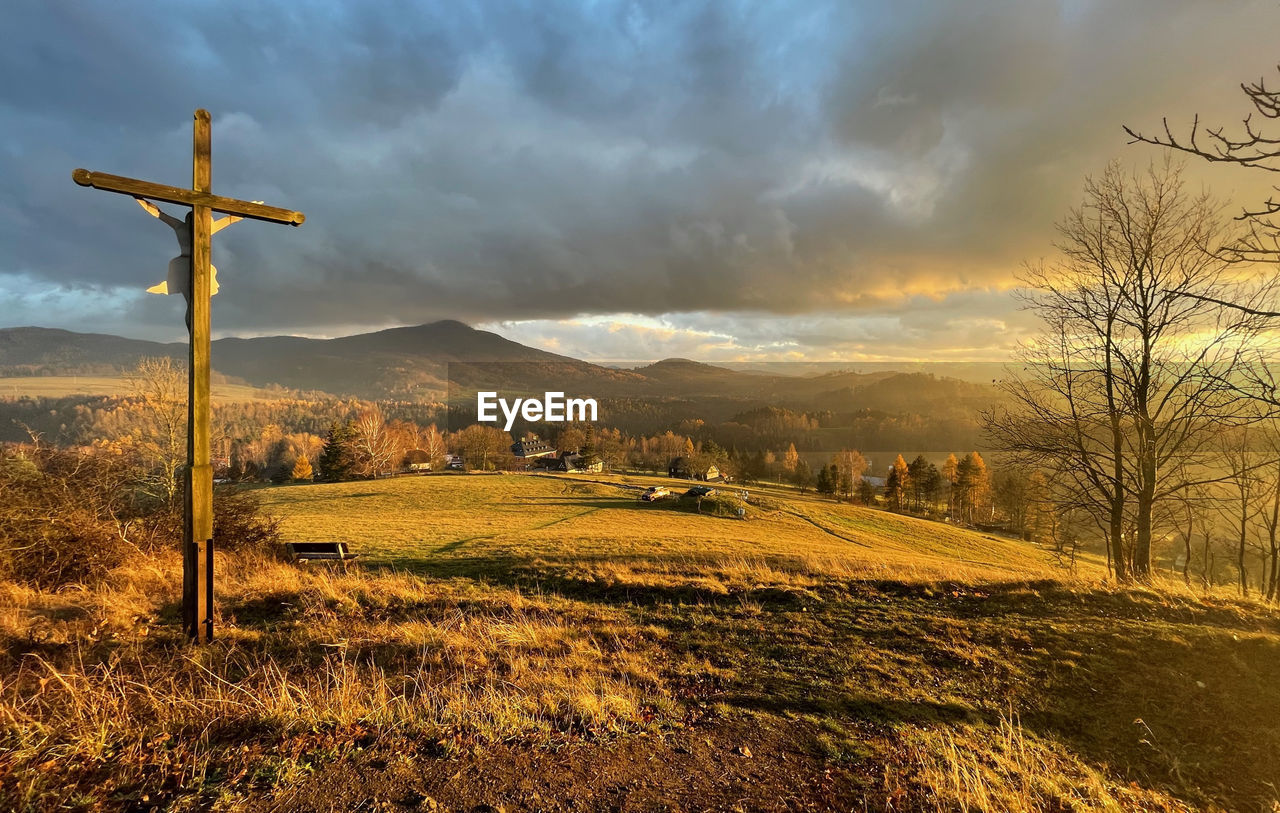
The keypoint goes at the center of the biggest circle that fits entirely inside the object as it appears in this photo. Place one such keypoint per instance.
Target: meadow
(526, 642)
(63, 386)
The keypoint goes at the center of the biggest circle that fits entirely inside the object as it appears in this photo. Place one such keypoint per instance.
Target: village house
(574, 463)
(687, 469)
(417, 460)
(531, 449)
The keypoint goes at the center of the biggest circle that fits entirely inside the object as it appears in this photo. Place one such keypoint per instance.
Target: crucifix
(191, 274)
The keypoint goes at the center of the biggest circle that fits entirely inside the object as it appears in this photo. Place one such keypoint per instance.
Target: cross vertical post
(197, 524)
(197, 532)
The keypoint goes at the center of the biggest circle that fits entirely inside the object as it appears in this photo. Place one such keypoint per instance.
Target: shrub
(65, 517)
(239, 523)
(69, 517)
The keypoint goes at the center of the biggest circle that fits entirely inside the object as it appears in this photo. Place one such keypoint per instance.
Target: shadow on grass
(1165, 690)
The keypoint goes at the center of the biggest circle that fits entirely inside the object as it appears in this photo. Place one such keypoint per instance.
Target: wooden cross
(197, 532)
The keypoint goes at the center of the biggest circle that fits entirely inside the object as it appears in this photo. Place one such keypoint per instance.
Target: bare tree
(1243, 495)
(1270, 509)
(1066, 414)
(1132, 373)
(1251, 147)
(154, 421)
(432, 442)
(375, 448)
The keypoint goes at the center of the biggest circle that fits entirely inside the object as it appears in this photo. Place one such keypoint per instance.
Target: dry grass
(100, 687)
(1007, 770)
(507, 609)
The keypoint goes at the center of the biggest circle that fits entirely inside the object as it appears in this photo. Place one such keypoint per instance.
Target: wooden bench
(320, 552)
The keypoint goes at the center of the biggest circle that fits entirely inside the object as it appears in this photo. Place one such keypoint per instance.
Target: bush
(239, 523)
(65, 517)
(69, 517)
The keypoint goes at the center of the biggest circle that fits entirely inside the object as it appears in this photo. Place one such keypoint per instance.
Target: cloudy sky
(624, 180)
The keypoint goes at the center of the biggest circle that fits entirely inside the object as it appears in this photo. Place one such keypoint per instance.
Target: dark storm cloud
(500, 162)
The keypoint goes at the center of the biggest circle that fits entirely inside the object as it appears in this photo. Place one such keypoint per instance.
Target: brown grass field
(62, 386)
(513, 642)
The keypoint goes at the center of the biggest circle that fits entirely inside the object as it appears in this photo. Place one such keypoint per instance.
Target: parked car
(653, 493)
(700, 491)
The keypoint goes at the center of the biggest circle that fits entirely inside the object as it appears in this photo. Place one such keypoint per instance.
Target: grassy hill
(524, 642)
(443, 525)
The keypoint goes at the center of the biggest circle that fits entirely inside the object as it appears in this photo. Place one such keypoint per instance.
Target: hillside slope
(542, 643)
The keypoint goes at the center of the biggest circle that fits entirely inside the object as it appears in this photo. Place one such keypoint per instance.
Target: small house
(417, 460)
(688, 469)
(532, 449)
(575, 463)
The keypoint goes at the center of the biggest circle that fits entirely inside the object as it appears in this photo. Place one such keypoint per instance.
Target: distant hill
(47, 351)
(420, 362)
(399, 362)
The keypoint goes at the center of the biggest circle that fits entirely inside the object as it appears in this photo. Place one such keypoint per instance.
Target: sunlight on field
(61, 386)
(463, 524)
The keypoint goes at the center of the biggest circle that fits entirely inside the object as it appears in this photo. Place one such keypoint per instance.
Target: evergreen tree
(866, 492)
(802, 476)
(337, 461)
(924, 481)
(825, 482)
(590, 456)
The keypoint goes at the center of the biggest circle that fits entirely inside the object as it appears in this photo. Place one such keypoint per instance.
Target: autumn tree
(950, 471)
(973, 486)
(570, 439)
(790, 460)
(897, 485)
(482, 446)
(302, 468)
(848, 466)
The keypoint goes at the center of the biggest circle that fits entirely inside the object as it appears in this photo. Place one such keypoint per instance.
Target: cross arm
(186, 197)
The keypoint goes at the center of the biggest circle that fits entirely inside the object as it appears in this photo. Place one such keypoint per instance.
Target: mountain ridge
(441, 359)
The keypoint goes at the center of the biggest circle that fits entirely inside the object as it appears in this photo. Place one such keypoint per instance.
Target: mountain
(47, 351)
(448, 357)
(398, 362)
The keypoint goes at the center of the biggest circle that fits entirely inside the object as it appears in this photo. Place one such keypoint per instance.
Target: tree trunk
(1142, 543)
(1275, 566)
(1117, 541)
(1186, 544)
(1240, 555)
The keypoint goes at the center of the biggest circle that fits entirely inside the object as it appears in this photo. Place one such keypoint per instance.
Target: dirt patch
(752, 762)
